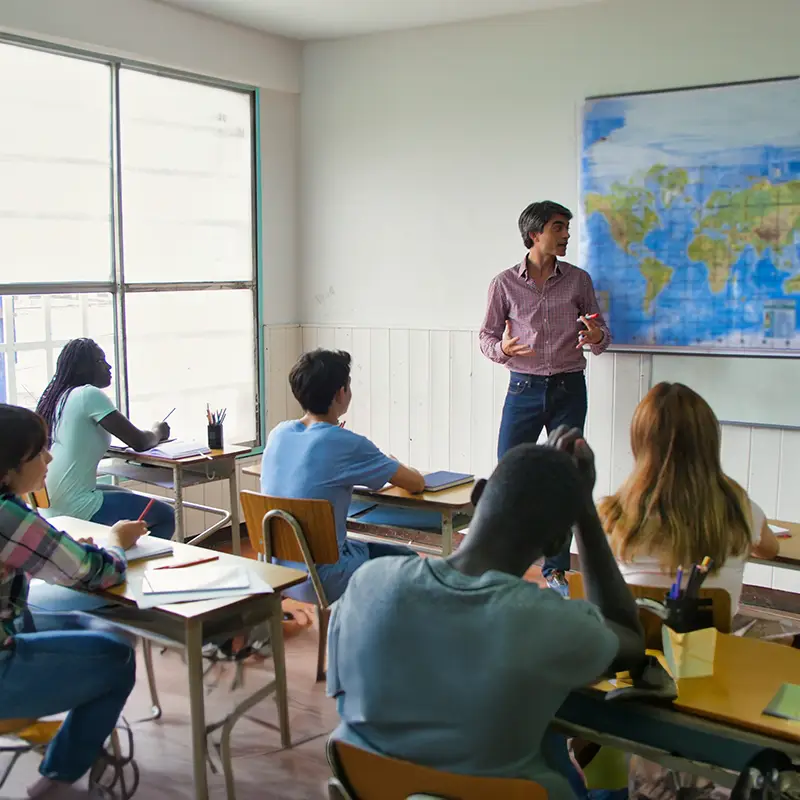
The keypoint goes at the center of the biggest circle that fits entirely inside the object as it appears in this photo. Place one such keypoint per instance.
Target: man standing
(540, 315)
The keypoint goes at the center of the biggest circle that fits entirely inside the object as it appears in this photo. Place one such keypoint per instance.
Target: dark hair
(536, 216)
(23, 435)
(316, 378)
(531, 500)
(76, 366)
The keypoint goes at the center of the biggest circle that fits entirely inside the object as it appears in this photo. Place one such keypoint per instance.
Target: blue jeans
(534, 402)
(119, 503)
(88, 673)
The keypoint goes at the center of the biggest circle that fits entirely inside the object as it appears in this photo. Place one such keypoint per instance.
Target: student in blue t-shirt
(316, 458)
(81, 419)
(459, 663)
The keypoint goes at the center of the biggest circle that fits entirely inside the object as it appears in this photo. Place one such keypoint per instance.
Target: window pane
(55, 162)
(187, 187)
(34, 330)
(186, 349)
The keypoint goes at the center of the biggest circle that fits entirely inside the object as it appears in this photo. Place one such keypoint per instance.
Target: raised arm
(30, 544)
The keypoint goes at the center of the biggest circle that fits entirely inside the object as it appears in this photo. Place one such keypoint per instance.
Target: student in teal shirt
(81, 419)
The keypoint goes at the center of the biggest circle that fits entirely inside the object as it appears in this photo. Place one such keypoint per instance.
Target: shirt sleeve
(494, 321)
(758, 518)
(333, 685)
(363, 464)
(592, 646)
(96, 403)
(589, 305)
(29, 544)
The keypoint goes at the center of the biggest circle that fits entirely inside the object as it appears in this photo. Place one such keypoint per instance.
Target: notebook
(780, 533)
(174, 448)
(437, 481)
(147, 547)
(202, 577)
(786, 703)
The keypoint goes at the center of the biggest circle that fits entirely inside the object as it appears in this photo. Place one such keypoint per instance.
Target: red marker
(588, 316)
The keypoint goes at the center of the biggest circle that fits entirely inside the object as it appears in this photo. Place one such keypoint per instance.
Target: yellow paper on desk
(689, 655)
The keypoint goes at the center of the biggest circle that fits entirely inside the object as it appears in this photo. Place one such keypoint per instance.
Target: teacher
(541, 314)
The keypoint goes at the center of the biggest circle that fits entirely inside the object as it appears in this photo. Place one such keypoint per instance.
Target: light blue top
(459, 673)
(79, 442)
(324, 462)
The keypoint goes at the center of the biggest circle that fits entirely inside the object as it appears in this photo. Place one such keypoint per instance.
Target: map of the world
(691, 206)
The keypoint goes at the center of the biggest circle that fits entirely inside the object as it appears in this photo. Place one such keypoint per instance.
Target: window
(127, 215)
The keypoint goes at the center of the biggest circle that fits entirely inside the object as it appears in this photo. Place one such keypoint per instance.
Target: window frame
(117, 286)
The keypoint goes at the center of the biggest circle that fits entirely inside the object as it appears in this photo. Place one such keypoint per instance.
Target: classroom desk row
(188, 625)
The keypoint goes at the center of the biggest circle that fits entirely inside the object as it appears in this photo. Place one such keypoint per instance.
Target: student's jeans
(534, 402)
(119, 504)
(58, 665)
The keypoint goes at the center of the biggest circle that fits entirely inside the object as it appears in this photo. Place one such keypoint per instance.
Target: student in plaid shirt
(45, 671)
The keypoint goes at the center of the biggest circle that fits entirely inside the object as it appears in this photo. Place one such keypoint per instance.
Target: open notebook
(202, 577)
(172, 448)
(147, 547)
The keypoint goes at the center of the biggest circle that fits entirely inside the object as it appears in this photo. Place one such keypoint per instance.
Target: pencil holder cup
(215, 436)
(689, 655)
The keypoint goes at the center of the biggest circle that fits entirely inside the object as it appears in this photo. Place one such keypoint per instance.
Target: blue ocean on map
(691, 209)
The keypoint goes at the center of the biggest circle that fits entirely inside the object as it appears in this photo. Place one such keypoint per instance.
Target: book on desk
(439, 481)
(172, 448)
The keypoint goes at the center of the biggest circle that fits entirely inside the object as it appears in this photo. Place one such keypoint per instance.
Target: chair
(295, 530)
(720, 600)
(362, 775)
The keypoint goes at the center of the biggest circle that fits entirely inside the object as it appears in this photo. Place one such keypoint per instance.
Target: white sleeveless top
(647, 571)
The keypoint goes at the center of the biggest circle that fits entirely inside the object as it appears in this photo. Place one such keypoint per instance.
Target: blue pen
(678, 581)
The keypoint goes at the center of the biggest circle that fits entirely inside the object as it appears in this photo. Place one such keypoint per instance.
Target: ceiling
(327, 19)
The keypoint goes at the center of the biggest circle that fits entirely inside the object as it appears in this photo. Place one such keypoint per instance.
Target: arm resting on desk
(768, 546)
(409, 479)
(120, 426)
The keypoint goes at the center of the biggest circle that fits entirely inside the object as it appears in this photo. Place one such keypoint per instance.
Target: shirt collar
(522, 269)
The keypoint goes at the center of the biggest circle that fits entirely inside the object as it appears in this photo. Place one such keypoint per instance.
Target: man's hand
(593, 333)
(571, 441)
(511, 346)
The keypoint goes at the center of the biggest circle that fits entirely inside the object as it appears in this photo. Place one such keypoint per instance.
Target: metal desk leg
(194, 659)
(233, 485)
(177, 475)
(447, 533)
(279, 662)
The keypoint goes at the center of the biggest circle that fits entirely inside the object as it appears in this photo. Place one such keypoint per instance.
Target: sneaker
(557, 580)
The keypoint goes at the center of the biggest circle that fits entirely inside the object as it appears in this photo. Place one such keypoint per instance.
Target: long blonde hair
(677, 505)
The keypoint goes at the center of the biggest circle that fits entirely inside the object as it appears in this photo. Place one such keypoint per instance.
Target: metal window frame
(117, 285)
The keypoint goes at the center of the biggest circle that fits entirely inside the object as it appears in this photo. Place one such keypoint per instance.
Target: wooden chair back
(369, 776)
(720, 599)
(315, 518)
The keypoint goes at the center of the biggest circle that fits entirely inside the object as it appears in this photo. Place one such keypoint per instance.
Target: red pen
(146, 509)
(188, 563)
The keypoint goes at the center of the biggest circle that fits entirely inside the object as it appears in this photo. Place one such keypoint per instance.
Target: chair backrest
(315, 517)
(369, 776)
(720, 603)
(39, 498)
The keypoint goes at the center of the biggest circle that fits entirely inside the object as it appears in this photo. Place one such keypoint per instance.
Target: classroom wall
(420, 148)
(154, 33)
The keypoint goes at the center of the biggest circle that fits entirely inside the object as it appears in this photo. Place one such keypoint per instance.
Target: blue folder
(411, 518)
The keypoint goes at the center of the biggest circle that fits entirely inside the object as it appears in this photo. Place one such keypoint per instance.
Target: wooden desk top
(459, 497)
(790, 548)
(747, 675)
(279, 578)
(229, 451)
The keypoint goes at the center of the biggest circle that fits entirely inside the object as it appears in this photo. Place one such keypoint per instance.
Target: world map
(691, 208)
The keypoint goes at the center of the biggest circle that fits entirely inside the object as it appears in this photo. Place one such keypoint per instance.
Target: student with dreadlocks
(81, 420)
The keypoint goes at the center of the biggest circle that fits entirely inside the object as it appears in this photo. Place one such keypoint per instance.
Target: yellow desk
(454, 505)
(188, 625)
(789, 555)
(177, 474)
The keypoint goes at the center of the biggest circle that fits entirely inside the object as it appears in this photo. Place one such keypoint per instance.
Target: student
(459, 664)
(82, 419)
(45, 671)
(315, 457)
(678, 506)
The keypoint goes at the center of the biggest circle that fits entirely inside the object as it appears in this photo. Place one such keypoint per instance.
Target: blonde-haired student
(678, 506)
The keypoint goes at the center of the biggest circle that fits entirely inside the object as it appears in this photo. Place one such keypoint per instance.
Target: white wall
(150, 32)
(420, 148)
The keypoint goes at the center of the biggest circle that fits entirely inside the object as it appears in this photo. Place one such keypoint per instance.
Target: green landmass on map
(765, 215)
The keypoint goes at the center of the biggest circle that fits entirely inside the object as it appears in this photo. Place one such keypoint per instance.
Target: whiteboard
(747, 391)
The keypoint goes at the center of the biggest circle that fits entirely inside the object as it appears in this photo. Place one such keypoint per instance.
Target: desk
(190, 624)
(715, 724)
(177, 474)
(454, 505)
(789, 555)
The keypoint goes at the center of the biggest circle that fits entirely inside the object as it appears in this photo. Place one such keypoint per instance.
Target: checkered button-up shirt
(30, 547)
(545, 319)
